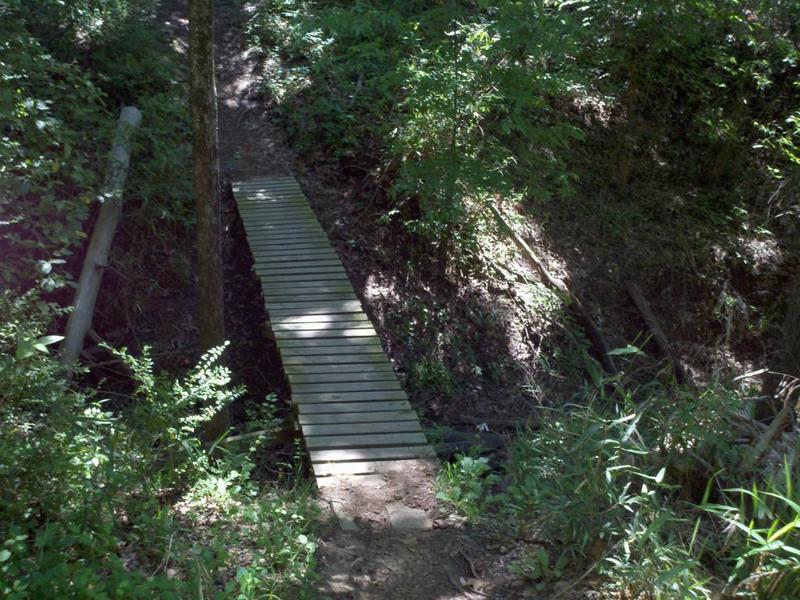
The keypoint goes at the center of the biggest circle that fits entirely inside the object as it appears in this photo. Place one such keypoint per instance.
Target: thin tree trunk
(80, 320)
(641, 304)
(203, 104)
(573, 303)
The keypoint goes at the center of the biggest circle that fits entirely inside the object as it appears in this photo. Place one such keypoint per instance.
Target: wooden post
(203, 104)
(80, 320)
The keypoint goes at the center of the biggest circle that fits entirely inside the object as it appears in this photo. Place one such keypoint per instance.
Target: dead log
(555, 284)
(80, 320)
(641, 304)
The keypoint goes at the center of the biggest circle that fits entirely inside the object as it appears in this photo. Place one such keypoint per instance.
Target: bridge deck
(355, 417)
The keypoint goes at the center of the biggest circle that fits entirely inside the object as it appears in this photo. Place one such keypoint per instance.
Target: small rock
(403, 517)
(346, 522)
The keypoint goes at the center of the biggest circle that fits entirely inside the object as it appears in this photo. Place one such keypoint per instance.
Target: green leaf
(25, 349)
(626, 350)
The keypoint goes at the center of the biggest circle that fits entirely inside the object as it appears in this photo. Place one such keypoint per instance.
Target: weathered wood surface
(355, 417)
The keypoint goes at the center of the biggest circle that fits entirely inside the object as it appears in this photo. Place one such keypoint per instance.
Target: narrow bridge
(355, 417)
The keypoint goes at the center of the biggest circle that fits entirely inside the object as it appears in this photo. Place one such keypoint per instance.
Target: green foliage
(617, 480)
(538, 566)
(708, 74)
(88, 485)
(466, 484)
(764, 536)
(451, 105)
(431, 375)
(66, 66)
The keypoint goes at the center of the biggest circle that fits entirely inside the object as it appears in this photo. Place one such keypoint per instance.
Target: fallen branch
(766, 438)
(80, 320)
(557, 285)
(641, 304)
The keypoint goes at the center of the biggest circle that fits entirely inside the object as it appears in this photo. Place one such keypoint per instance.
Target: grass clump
(644, 489)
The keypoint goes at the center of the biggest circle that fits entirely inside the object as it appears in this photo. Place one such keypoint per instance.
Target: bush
(94, 493)
(624, 480)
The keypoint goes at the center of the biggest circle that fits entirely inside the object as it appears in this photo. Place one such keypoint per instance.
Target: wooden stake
(80, 320)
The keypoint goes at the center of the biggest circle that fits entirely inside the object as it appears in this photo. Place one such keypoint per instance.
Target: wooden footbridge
(354, 415)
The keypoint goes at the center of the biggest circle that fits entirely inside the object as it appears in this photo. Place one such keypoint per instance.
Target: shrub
(96, 495)
(615, 481)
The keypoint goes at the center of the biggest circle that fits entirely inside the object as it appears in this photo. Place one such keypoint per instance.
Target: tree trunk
(203, 105)
(80, 320)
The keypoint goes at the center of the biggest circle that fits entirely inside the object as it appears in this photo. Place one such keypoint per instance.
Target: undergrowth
(107, 499)
(644, 486)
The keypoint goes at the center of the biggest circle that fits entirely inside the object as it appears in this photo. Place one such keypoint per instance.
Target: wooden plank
(358, 418)
(270, 211)
(310, 295)
(289, 246)
(299, 378)
(318, 306)
(288, 205)
(366, 454)
(365, 441)
(298, 281)
(326, 307)
(262, 201)
(266, 217)
(344, 390)
(268, 184)
(275, 243)
(281, 243)
(349, 396)
(294, 256)
(285, 228)
(348, 365)
(373, 341)
(338, 359)
(268, 223)
(268, 272)
(332, 263)
(318, 351)
(335, 334)
(323, 325)
(248, 209)
(410, 425)
(323, 318)
(353, 407)
(246, 205)
(325, 470)
(247, 193)
(286, 235)
(292, 312)
(315, 369)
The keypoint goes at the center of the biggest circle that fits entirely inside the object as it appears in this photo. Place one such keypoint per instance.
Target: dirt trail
(371, 559)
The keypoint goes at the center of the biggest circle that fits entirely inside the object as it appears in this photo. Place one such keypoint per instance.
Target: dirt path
(368, 559)
(372, 560)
